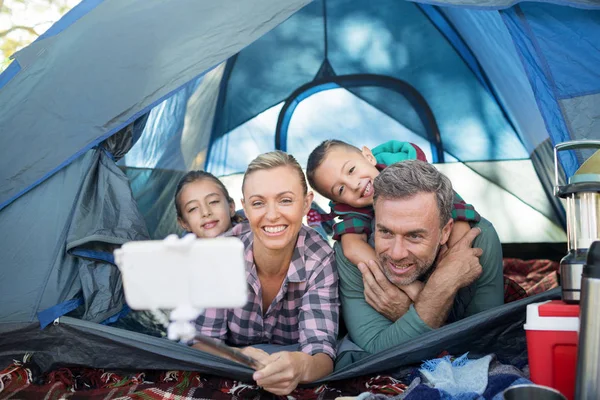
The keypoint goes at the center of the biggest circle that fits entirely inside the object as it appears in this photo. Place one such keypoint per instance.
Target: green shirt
(374, 333)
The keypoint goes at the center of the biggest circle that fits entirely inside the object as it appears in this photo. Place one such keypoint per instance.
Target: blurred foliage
(23, 21)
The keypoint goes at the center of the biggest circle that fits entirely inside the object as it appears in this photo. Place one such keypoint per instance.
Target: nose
(272, 212)
(352, 183)
(205, 211)
(398, 251)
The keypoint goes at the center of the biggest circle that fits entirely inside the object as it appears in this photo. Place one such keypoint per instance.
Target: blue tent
(104, 112)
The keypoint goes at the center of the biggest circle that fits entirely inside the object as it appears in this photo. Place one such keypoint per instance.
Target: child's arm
(356, 248)
(463, 214)
(459, 229)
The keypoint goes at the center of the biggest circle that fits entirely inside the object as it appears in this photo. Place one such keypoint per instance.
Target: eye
(257, 203)
(212, 203)
(192, 209)
(351, 170)
(386, 233)
(341, 190)
(415, 237)
(286, 201)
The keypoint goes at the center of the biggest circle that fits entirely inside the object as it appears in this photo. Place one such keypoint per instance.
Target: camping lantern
(582, 194)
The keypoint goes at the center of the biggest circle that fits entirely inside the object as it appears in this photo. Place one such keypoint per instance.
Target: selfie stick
(181, 326)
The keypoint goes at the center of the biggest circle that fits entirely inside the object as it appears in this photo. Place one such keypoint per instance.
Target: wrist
(303, 361)
(443, 285)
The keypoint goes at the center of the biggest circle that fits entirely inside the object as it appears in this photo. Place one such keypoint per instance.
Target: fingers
(278, 373)
(467, 240)
(369, 280)
(380, 278)
(372, 299)
(280, 379)
(477, 252)
(259, 355)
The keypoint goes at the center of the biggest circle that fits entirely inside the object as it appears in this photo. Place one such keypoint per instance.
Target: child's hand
(413, 290)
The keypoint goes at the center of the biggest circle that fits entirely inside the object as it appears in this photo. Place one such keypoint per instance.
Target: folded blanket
(449, 374)
(461, 375)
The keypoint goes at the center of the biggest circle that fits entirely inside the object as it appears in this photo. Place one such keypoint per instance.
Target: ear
(183, 224)
(446, 230)
(308, 199)
(368, 155)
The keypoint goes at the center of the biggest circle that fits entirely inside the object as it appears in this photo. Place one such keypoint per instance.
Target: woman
(292, 280)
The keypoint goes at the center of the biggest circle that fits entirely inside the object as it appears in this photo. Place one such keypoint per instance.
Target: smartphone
(166, 274)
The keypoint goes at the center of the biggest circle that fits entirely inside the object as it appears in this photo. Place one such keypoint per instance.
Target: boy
(344, 174)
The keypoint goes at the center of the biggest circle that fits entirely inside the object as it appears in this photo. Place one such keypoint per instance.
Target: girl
(204, 206)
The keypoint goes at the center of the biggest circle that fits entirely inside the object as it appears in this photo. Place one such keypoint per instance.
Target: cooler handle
(571, 145)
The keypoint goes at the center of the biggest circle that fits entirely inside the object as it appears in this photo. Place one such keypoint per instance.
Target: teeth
(274, 229)
(367, 189)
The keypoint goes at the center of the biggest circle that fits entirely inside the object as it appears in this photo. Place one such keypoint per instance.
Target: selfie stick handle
(182, 325)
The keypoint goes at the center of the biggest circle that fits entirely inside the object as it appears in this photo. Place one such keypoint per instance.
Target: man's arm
(457, 268)
(490, 285)
(374, 332)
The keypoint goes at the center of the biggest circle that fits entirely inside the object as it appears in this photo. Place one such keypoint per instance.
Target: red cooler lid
(558, 308)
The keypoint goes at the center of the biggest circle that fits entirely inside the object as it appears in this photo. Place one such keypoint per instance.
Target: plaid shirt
(360, 220)
(304, 311)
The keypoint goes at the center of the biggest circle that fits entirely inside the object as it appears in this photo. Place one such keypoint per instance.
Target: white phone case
(166, 274)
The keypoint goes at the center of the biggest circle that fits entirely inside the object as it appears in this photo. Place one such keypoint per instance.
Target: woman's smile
(274, 230)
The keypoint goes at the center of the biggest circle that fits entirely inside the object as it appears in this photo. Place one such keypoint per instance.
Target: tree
(23, 21)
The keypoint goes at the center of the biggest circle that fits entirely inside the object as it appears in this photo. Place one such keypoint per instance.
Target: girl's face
(205, 210)
(275, 204)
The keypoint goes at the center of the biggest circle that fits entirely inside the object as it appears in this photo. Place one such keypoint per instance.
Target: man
(413, 203)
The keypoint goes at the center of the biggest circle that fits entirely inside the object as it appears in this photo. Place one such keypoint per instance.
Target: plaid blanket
(21, 381)
(534, 276)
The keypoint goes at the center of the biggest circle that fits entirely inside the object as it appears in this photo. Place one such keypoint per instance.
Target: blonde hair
(274, 159)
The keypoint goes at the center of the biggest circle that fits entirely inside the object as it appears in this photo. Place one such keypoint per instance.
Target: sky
(36, 14)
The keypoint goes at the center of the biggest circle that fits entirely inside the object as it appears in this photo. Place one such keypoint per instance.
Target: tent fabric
(354, 42)
(488, 38)
(502, 4)
(59, 236)
(76, 342)
(95, 53)
(557, 83)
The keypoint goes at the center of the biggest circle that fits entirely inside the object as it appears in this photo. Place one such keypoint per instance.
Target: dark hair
(408, 178)
(194, 176)
(317, 156)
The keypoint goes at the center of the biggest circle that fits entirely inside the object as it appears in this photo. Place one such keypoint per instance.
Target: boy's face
(346, 176)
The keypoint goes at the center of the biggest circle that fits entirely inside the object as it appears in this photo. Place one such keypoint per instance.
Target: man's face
(346, 176)
(408, 236)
